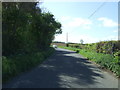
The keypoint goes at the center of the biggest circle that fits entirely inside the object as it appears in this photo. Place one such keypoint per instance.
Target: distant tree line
(26, 29)
(57, 42)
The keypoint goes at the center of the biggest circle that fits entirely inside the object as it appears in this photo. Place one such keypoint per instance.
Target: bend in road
(64, 69)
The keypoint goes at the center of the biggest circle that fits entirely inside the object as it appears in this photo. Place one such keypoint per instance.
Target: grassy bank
(14, 65)
(104, 60)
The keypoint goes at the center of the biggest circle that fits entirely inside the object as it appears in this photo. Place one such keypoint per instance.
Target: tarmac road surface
(64, 69)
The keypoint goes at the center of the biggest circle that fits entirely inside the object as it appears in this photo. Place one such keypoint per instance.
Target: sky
(83, 20)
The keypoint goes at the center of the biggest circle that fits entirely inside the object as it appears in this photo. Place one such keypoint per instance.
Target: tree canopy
(26, 29)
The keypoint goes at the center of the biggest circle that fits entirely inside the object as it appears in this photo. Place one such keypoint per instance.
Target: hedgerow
(14, 65)
(111, 62)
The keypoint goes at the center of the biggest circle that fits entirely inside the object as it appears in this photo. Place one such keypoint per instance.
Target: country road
(64, 69)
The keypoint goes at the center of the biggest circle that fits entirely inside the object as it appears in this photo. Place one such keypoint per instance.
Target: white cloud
(76, 38)
(71, 24)
(65, 18)
(87, 27)
(86, 38)
(61, 37)
(111, 37)
(77, 22)
(115, 31)
(108, 22)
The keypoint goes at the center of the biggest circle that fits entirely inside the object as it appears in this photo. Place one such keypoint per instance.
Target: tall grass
(104, 60)
(14, 65)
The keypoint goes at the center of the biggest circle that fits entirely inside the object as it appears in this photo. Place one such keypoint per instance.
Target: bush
(108, 47)
(67, 45)
(104, 60)
(26, 30)
(12, 66)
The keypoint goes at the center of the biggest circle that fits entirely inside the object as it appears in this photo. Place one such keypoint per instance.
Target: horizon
(83, 43)
(90, 21)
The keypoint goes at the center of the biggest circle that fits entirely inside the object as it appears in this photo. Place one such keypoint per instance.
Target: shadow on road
(60, 71)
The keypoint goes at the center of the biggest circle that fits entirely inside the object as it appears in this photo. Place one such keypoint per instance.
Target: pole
(67, 37)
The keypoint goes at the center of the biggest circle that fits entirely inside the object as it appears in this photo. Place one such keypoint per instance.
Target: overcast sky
(102, 25)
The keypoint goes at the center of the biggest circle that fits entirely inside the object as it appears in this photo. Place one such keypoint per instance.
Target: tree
(26, 29)
(81, 41)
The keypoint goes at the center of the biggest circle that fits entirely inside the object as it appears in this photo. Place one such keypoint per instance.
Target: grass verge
(14, 65)
(104, 60)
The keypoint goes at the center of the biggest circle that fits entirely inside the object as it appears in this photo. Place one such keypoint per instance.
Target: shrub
(67, 45)
(12, 66)
(104, 60)
(107, 47)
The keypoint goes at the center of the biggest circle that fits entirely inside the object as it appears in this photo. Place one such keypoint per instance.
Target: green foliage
(67, 45)
(104, 60)
(14, 65)
(26, 29)
(108, 47)
(74, 45)
(26, 36)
